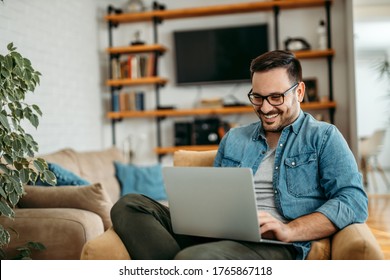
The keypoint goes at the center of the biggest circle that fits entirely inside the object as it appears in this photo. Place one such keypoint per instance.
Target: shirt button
(293, 163)
(276, 191)
(281, 145)
(276, 167)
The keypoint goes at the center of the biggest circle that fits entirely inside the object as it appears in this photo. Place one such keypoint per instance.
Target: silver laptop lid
(212, 202)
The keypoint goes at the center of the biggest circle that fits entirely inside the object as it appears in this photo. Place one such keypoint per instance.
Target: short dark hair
(278, 59)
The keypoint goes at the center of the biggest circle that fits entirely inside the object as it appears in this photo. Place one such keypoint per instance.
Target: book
(115, 102)
(140, 101)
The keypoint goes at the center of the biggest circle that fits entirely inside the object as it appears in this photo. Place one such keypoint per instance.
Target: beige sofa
(353, 242)
(65, 218)
(74, 222)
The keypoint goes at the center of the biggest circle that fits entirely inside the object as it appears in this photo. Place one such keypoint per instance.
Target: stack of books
(128, 101)
(133, 66)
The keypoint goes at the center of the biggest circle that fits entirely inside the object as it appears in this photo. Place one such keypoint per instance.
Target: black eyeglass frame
(250, 94)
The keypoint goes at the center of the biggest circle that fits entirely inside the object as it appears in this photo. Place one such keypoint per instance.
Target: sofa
(64, 218)
(354, 242)
(73, 222)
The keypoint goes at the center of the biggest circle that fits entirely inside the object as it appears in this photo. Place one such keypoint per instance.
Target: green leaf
(6, 210)
(39, 165)
(4, 168)
(19, 189)
(27, 62)
(36, 246)
(36, 108)
(4, 237)
(50, 178)
(34, 120)
(7, 140)
(11, 47)
(24, 175)
(18, 59)
(33, 176)
(10, 185)
(18, 165)
(3, 194)
(14, 198)
(4, 121)
(8, 63)
(8, 159)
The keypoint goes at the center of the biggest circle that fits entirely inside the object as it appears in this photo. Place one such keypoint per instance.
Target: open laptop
(216, 202)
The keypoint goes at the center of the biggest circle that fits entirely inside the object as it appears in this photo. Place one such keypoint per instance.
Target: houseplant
(17, 148)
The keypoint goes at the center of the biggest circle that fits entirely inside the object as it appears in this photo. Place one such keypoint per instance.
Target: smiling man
(305, 176)
(307, 182)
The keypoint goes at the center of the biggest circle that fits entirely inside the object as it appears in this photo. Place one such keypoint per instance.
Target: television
(218, 55)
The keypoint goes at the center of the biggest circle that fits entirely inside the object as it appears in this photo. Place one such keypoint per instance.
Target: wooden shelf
(162, 81)
(314, 53)
(318, 105)
(137, 81)
(168, 150)
(137, 49)
(207, 111)
(213, 10)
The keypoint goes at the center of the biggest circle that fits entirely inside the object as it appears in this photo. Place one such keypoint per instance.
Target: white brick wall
(60, 39)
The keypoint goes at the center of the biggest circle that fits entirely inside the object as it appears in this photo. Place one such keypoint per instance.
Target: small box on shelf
(311, 92)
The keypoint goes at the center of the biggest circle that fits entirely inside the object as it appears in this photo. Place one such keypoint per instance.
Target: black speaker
(183, 133)
(206, 131)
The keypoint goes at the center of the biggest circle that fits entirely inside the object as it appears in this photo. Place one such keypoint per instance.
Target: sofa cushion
(92, 198)
(320, 250)
(62, 231)
(64, 177)
(66, 158)
(146, 180)
(98, 167)
(100, 248)
(194, 158)
(356, 242)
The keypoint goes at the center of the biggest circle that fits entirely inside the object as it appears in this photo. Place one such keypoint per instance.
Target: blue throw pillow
(146, 180)
(64, 177)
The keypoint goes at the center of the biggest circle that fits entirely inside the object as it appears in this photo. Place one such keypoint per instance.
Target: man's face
(275, 81)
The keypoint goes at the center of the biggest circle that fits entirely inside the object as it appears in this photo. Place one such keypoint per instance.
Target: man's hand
(306, 228)
(272, 228)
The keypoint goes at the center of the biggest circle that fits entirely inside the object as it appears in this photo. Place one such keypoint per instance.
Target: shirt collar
(297, 124)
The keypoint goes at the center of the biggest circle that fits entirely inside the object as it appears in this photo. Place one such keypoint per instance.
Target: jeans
(145, 228)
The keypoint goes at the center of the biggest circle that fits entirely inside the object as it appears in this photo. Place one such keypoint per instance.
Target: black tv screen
(218, 55)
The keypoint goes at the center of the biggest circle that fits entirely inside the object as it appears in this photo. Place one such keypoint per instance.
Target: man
(306, 178)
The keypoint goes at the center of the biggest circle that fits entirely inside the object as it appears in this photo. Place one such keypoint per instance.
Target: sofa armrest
(63, 231)
(107, 246)
(355, 242)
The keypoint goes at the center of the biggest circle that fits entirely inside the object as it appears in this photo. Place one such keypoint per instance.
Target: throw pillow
(146, 180)
(64, 177)
(92, 198)
(194, 158)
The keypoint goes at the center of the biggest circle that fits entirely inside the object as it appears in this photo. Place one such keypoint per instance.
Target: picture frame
(311, 93)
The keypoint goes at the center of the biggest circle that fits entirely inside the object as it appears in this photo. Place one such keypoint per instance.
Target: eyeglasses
(275, 99)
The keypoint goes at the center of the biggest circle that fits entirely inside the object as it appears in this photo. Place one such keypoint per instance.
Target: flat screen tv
(218, 55)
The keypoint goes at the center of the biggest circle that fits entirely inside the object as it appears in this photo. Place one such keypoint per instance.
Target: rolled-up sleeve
(341, 181)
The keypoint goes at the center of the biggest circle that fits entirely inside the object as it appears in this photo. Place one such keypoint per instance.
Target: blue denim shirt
(314, 171)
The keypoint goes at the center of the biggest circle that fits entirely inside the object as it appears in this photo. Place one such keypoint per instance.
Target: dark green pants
(144, 225)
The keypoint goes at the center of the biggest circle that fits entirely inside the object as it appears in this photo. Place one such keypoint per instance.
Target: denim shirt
(314, 171)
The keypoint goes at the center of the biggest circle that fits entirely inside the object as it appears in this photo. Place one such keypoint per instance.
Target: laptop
(217, 202)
